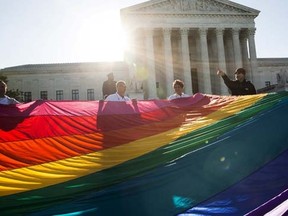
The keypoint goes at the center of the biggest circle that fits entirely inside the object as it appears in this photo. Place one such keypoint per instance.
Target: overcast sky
(61, 31)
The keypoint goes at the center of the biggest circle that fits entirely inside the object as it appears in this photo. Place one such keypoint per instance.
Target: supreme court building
(168, 39)
(190, 40)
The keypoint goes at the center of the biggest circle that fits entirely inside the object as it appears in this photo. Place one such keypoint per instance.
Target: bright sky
(63, 31)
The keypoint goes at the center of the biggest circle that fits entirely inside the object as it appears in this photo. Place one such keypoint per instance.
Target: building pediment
(191, 7)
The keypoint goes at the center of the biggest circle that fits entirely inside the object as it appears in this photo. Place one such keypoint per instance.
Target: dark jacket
(109, 87)
(239, 88)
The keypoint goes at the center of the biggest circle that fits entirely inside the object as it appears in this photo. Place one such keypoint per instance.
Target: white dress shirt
(7, 100)
(175, 96)
(117, 97)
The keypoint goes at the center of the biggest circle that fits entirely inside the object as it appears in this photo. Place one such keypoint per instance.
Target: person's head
(3, 88)
(240, 74)
(178, 86)
(110, 76)
(121, 87)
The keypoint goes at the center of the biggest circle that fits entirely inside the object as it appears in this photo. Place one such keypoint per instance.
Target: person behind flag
(4, 99)
(240, 86)
(120, 93)
(178, 86)
(109, 86)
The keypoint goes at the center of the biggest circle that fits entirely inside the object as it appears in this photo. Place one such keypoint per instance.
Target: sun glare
(101, 38)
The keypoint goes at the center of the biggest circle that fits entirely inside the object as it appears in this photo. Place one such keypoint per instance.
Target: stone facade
(273, 73)
(71, 81)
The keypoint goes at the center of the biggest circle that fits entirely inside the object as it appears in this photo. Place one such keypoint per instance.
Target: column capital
(251, 31)
(235, 31)
(184, 31)
(203, 31)
(219, 31)
(167, 31)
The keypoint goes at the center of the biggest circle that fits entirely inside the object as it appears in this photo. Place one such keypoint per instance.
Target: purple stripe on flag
(269, 205)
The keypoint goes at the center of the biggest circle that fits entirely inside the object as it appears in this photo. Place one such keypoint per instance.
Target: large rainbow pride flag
(202, 155)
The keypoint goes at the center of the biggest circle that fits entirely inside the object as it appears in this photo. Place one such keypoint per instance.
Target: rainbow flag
(198, 155)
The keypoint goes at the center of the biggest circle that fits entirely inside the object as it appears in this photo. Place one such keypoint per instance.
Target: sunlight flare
(101, 38)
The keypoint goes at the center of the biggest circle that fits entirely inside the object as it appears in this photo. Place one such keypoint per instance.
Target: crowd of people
(116, 91)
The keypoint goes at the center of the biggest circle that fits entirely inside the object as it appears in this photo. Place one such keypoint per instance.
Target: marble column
(229, 53)
(236, 46)
(244, 50)
(168, 60)
(130, 52)
(221, 58)
(186, 60)
(252, 52)
(205, 62)
(150, 58)
(135, 81)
